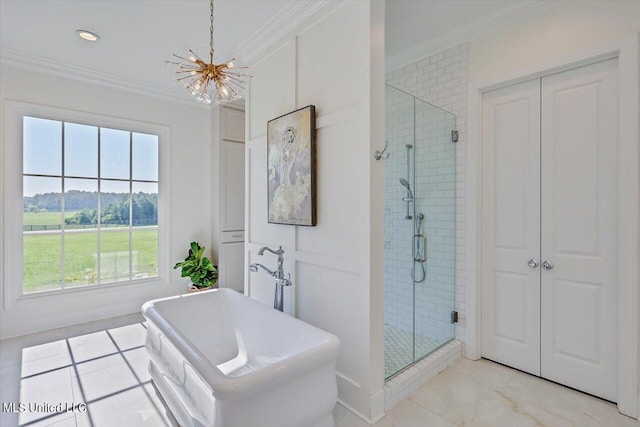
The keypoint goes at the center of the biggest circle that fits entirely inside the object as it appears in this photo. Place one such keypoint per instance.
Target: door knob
(547, 265)
(533, 263)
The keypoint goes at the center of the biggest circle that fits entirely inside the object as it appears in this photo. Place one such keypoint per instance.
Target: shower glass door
(419, 229)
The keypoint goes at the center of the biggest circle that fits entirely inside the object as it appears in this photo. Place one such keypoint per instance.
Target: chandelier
(208, 82)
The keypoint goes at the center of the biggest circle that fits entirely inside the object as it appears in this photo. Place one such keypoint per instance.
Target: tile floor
(398, 349)
(104, 364)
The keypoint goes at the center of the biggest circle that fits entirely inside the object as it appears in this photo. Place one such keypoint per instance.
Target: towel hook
(380, 154)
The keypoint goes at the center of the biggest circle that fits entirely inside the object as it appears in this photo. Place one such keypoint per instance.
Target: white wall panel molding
(341, 264)
(292, 14)
(347, 379)
(345, 115)
(351, 113)
(329, 263)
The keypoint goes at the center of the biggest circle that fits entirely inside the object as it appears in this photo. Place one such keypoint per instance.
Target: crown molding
(515, 12)
(292, 14)
(279, 25)
(56, 68)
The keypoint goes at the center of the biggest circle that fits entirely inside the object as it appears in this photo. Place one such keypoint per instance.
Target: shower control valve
(533, 263)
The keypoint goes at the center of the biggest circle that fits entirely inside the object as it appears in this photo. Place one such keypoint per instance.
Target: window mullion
(62, 207)
(99, 214)
(130, 205)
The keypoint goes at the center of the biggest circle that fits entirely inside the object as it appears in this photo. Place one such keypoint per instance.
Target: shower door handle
(416, 245)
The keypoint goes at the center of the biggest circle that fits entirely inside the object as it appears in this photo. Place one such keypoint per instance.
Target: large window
(90, 204)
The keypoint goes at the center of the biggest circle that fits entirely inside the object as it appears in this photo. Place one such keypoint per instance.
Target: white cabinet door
(232, 186)
(511, 226)
(231, 266)
(579, 208)
(233, 125)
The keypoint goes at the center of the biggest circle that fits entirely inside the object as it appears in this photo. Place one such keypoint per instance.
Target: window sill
(128, 284)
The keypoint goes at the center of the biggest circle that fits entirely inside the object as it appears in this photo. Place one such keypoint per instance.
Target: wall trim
(626, 50)
(293, 13)
(56, 68)
(511, 14)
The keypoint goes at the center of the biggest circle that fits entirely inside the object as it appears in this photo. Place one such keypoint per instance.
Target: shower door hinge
(454, 136)
(454, 317)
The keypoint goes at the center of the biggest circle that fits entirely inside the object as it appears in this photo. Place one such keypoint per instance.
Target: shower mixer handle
(416, 240)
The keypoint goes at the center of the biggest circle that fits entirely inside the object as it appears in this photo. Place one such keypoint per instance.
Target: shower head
(406, 185)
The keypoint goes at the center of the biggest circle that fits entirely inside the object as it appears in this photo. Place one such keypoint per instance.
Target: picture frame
(291, 168)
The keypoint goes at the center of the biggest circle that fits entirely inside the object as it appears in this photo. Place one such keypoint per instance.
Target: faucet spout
(254, 268)
(280, 252)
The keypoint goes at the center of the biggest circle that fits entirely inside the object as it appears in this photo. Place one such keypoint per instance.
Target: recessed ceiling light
(87, 35)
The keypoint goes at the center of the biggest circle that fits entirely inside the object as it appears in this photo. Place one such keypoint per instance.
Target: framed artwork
(291, 168)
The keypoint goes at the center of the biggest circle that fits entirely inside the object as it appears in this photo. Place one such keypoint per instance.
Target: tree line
(115, 207)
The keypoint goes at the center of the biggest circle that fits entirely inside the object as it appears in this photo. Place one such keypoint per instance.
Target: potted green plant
(198, 268)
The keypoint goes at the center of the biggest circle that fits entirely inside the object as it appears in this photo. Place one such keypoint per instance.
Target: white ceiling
(138, 35)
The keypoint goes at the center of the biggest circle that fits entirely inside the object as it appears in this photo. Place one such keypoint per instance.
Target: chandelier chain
(211, 25)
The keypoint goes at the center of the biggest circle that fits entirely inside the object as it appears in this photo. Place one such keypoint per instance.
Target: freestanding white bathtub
(220, 359)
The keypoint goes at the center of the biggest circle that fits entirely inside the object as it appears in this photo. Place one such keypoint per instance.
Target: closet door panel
(578, 295)
(511, 224)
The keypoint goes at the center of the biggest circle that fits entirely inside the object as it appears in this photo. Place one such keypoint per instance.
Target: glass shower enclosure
(419, 228)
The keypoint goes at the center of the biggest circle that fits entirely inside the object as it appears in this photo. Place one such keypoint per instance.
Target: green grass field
(43, 266)
(45, 218)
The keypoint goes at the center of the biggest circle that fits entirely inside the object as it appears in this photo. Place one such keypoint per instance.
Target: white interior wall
(334, 61)
(190, 204)
(574, 27)
(526, 45)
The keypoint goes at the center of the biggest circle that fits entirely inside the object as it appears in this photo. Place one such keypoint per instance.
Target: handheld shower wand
(409, 197)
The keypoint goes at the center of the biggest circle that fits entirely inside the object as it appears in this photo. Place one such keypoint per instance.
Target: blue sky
(42, 155)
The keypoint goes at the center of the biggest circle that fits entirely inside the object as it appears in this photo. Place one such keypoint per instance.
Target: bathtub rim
(231, 387)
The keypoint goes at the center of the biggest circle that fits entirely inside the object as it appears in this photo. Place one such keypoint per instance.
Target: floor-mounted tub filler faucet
(281, 281)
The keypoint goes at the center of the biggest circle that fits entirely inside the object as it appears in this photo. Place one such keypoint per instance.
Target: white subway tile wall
(442, 81)
(422, 153)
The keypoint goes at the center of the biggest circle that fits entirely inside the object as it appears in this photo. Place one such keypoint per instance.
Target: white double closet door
(549, 227)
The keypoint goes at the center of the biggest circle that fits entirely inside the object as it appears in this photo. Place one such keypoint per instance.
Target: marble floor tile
(408, 414)
(14, 351)
(490, 374)
(130, 408)
(107, 368)
(578, 409)
(130, 336)
(103, 383)
(91, 346)
(52, 387)
(345, 418)
(463, 401)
